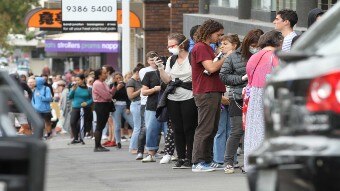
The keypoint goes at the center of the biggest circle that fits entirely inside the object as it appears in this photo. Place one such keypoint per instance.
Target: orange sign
(51, 19)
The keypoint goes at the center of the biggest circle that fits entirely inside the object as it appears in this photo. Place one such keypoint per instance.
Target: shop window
(326, 4)
(285, 4)
(264, 5)
(225, 3)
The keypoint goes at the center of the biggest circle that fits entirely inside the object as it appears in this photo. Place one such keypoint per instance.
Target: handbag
(112, 106)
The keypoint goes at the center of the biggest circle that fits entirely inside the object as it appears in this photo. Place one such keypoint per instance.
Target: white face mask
(174, 51)
(253, 50)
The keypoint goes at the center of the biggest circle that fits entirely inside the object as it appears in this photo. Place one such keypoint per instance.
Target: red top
(203, 83)
(257, 74)
(101, 92)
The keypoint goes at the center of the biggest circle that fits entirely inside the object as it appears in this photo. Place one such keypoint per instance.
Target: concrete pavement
(77, 167)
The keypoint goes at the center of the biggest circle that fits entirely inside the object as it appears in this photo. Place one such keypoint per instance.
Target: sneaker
(158, 156)
(166, 159)
(82, 142)
(201, 167)
(74, 142)
(236, 165)
(101, 149)
(111, 144)
(106, 143)
(187, 165)
(119, 145)
(104, 137)
(229, 169)
(149, 158)
(139, 156)
(178, 164)
(174, 158)
(216, 166)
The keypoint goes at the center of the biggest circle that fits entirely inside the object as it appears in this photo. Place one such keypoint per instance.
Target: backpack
(174, 58)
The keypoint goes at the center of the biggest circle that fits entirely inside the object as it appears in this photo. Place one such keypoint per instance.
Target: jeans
(137, 123)
(220, 140)
(234, 138)
(153, 129)
(117, 117)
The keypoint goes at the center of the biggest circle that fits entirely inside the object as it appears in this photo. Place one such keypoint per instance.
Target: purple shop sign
(81, 46)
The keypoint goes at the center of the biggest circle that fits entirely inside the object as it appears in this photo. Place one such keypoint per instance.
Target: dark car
(301, 151)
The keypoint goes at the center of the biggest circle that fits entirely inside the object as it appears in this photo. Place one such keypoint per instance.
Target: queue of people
(205, 99)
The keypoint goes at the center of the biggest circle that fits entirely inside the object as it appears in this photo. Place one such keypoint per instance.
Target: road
(77, 167)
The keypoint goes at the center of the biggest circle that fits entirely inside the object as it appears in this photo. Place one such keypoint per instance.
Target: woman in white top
(181, 105)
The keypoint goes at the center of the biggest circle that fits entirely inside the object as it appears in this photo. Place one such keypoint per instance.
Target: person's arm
(132, 94)
(227, 73)
(48, 96)
(146, 91)
(102, 92)
(213, 67)
(165, 77)
(71, 94)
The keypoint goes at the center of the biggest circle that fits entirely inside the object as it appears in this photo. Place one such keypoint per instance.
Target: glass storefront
(326, 4)
(264, 5)
(225, 3)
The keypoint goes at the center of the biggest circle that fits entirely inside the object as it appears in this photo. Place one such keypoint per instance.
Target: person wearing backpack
(41, 100)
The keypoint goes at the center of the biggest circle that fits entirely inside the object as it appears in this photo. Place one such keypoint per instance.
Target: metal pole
(126, 37)
(244, 9)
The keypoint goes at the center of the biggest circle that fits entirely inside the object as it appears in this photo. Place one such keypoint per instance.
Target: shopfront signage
(50, 19)
(81, 46)
(89, 15)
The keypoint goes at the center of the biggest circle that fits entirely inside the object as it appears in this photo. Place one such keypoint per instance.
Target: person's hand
(84, 104)
(225, 100)
(159, 63)
(120, 85)
(157, 88)
(127, 111)
(74, 86)
(245, 77)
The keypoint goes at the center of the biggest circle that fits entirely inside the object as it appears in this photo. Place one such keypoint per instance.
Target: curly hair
(206, 30)
(252, 37)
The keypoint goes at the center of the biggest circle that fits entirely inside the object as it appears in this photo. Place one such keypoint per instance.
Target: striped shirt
(287, 42)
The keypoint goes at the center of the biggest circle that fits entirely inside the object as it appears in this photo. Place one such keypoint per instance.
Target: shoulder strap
(252, 76)
(174, 58)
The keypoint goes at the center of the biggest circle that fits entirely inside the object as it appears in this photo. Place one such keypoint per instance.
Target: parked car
(301, 151)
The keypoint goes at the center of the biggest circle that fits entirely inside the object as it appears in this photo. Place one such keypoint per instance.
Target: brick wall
(178, 8)
(160, 21)
(156, 25)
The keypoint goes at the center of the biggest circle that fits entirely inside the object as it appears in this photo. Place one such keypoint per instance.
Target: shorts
(20, 117)
(46, 116)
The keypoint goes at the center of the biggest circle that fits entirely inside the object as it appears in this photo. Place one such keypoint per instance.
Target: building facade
(240, 16)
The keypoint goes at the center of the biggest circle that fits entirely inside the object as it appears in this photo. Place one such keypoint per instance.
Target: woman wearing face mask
(233, 74)
(181, 105)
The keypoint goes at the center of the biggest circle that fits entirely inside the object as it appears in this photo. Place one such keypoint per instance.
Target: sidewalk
(78, 168)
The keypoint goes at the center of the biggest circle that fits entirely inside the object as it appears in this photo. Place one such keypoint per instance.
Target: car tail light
(324, 93)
